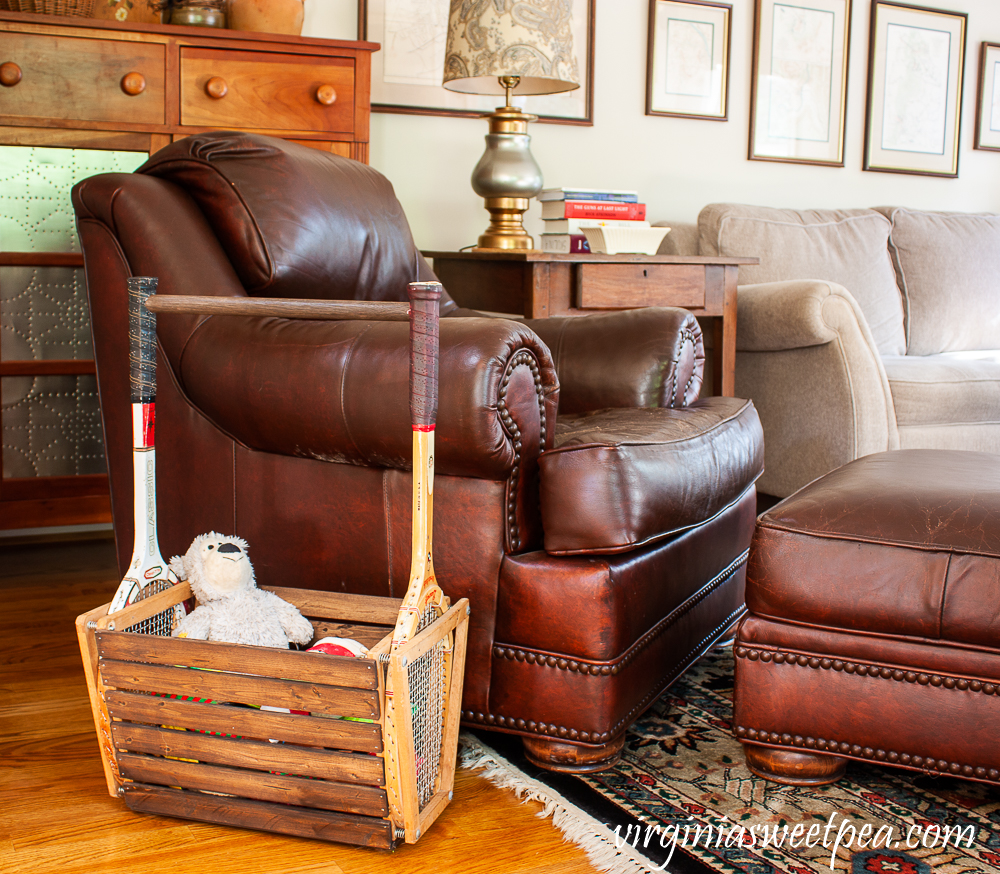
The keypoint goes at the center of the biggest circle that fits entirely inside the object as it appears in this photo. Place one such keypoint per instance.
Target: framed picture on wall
(988, 107)
(916, 57)
(407, 72)
(798, 87)
(687, 59)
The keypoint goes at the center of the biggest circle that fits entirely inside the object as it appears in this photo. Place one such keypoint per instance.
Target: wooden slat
(310, 731)
(44, 512)
(363, 609)
(246, 689)
(250, 754)
(52, 367)
(318, 825)
(29, 488)
(41, 259)
(368, 635)
(313, 667)
(278, 788)
(144, 609)
(324, 310)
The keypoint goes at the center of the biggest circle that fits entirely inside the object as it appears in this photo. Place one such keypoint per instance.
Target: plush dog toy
(230, 606)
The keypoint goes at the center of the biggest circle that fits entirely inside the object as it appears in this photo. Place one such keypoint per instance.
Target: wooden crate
(170, 747)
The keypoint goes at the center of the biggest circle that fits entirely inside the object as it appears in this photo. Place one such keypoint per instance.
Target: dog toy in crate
(342, 646)
(230, 607)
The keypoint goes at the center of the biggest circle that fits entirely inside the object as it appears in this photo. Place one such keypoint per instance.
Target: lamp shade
(531, 39)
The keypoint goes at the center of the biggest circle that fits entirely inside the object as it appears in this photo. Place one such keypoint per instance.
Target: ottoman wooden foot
(572, 758)
(793, 767)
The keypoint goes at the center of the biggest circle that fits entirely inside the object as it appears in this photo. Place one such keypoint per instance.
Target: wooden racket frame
(396, 650)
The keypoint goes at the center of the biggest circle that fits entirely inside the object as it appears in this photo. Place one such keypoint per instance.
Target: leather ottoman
(873, 624)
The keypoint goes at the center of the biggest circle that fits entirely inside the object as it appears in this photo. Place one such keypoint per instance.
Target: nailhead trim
(525, 358)
(572, 733)
(533, 657)
(857, 751)
(687, 336)
(865, 670)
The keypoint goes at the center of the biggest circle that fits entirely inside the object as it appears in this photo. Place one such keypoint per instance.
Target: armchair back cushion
(947, 266)
(297, 222)
(849, 247)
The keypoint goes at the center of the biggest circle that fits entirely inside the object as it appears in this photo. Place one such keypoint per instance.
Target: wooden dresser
(80, 83)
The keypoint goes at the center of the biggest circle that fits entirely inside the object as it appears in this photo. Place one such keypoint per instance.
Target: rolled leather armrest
(772, 316)
(339, 391)
(651, 357)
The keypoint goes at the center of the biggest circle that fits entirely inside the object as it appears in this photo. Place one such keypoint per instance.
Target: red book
(559, 209)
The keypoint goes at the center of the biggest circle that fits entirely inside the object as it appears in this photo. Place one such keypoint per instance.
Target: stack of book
(567, 211)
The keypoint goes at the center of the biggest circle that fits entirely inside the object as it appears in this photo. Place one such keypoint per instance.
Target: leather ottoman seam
(865, 669)
(877, 541)
(562, 663)
(928, 765)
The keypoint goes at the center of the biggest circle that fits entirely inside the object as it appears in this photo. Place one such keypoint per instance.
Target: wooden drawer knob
(10, 74)
(216, 88)
(326, 94)
(133, 83)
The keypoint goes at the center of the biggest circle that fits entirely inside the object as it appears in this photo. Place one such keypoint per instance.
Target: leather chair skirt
(873, 625)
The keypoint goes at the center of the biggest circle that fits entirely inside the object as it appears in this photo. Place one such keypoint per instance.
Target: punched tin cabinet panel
(51, 424)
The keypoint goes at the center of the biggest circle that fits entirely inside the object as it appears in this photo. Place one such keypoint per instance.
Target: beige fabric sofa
(860, 330)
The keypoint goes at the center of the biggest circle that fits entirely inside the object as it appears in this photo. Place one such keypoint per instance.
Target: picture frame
(988, 101)
(798, 90)
(412, 34)
(687, 59)
(913, 118)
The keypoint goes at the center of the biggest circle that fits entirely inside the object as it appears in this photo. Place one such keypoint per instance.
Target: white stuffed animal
(230, 606)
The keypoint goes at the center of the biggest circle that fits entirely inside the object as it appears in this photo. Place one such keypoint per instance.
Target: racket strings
(426, 680)
(162, 624)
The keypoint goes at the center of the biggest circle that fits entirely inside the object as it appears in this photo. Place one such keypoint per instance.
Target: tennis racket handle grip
(425, 298)
(142, 339)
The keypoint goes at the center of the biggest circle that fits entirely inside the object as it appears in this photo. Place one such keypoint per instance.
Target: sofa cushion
(619, 479)
(947, 389)
(948, 269)
(849, 247)
(295, 221)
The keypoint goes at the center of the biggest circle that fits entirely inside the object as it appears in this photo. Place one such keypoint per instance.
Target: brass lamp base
(506, 230)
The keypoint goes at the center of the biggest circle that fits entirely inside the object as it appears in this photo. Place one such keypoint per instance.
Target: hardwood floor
(56, 814)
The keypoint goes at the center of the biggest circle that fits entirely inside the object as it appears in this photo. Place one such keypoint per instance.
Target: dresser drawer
(83, 79)
(267, 91)
(624, 285)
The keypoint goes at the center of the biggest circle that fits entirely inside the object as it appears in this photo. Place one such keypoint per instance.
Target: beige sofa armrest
(806, 358)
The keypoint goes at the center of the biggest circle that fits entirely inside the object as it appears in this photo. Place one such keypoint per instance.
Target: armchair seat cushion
(623, 478)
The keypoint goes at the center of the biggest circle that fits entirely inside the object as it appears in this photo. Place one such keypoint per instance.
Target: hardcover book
(576, 225)
(559, 209)
(565, 244)
(588, 194)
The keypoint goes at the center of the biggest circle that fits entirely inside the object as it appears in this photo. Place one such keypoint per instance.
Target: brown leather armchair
(596, 515)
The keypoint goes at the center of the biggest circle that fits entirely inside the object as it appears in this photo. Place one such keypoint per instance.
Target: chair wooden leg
(793, 767)
(572, 758)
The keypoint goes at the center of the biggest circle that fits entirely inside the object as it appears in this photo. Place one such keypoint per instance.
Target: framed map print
(988, 108)
(915, 61)
(407, 71)
(799, 83)
(687, 59)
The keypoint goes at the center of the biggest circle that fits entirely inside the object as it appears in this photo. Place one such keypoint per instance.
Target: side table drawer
(270, 91)
(612, 286)
(81, 79)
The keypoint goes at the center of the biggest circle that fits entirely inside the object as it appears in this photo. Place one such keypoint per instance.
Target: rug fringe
(578, 827)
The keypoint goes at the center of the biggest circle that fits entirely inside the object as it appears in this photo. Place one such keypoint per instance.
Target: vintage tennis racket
(147, 573)
(421, 677)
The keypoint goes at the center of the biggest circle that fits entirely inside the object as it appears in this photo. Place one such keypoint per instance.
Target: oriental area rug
(681, 799)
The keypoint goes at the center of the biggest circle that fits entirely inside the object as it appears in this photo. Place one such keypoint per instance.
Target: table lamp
(527, 48)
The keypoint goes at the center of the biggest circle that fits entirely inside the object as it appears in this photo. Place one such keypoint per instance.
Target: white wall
(678, 165)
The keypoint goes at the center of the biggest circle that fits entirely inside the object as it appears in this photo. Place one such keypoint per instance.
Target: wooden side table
(538, 285)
